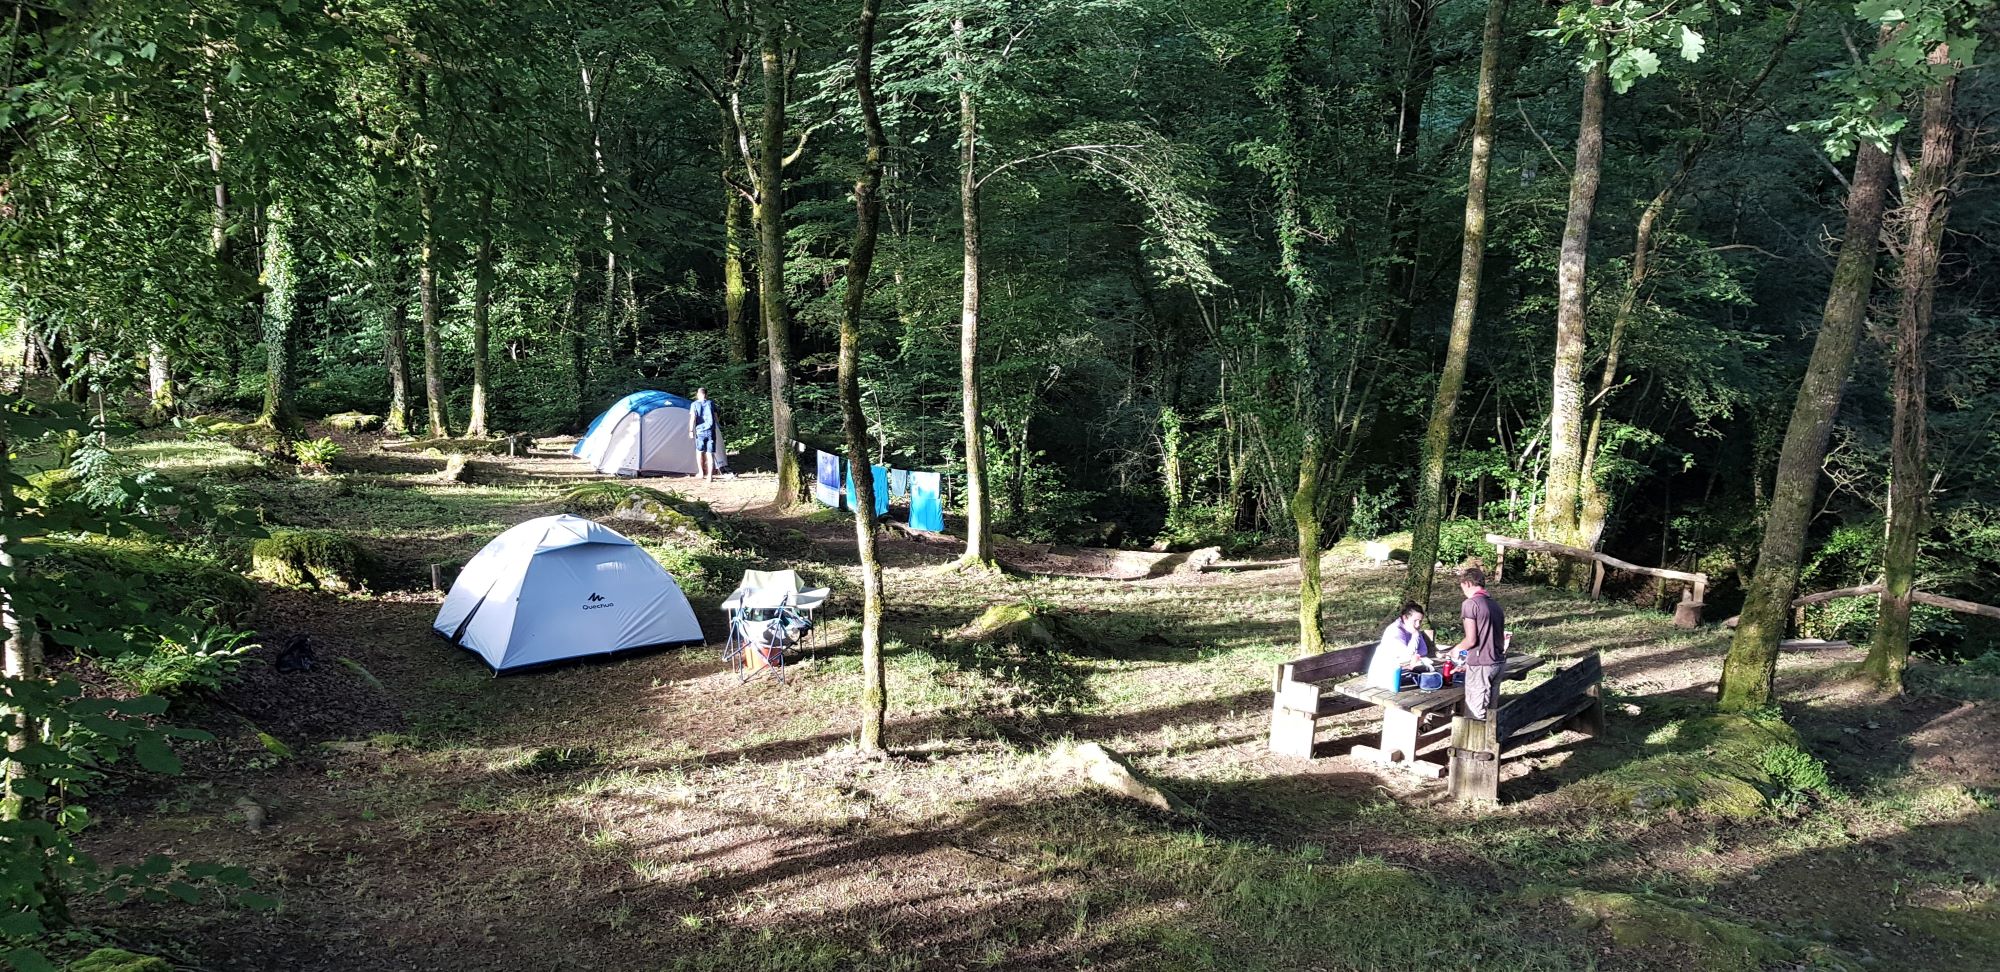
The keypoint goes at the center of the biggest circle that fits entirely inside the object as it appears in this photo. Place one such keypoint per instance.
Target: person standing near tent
(702, 429)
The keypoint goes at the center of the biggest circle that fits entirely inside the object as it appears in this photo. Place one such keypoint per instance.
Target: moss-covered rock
(1651, 927)
(1719, 764)
(253, 436)
(50, 486)
(119, 960)
(354, 422)
(1016, 623)
(149, 573)
(319, 559)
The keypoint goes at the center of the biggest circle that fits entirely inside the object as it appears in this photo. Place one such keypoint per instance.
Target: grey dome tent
(563, 587)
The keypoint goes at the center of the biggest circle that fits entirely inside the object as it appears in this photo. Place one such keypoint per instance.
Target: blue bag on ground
(926, 501)
(881, 489)
(826, 484)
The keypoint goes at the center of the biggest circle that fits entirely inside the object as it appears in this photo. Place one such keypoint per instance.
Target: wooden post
(1589, 722)
(1291, 731)
(1475, 760)
(1499, 561)
(1596, 579)
(437, 575)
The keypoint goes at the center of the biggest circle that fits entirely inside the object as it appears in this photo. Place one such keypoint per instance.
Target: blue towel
(899, 483)
(926, 501)
(826, 485)
(881, 477)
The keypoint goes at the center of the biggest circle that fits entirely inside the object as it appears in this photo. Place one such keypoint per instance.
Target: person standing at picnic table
(1484, 644)
(701, 428)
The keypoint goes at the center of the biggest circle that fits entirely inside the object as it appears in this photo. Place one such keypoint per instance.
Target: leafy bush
(130, 571)
(1460, 540)
(203, 659)
(312, 558)
(316, 453)
(1370, 517)
(604, 497)
(51, 486)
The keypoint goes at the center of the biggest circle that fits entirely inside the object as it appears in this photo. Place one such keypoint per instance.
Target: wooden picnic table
(1403, 715)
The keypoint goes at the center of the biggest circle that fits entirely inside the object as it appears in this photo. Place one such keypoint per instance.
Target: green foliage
(64, 741)
(135, 574)
(319, 559)
(199, 660)
(316, 453)
(1632, 33)
(1462, 540)
(1795, 775)
(1371, 517)
(119, 960)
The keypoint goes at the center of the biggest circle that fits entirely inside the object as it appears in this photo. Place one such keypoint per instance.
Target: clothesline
(833, 486)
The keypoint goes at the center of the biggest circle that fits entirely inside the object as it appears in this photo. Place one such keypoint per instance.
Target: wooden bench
(1302, 694)
(1570, 701)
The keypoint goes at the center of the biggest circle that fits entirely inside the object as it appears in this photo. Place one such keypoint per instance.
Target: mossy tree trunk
(482, 306)
(978, 502)
(739, 327)
(1556, 517)
(396, 340)
(860, 260)
(1464, 312)
(428, 310)
(1304, 343)
(280, 308)
(769, 213)
(1926, 207)
(1752, 662)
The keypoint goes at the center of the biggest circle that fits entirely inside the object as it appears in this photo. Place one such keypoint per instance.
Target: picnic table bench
(1403, 715)
(1299, 696)
(1570, 700)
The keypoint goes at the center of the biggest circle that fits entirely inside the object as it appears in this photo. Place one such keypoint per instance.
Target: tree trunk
(1465, 310)
(978, 505)
(1594, 502)
(1556, 518)
(1303, 343)
(1410, 86)
(396, 341)
(739, 329)
(23, 649)
(159, 379)
(1926, 207)
(1753, 654)
(280, 313)
(1305, 521)
(860, 260)
(482, 301)
(770, 216)
(427, 303)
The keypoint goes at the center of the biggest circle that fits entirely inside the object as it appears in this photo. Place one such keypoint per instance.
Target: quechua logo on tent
(595, 601)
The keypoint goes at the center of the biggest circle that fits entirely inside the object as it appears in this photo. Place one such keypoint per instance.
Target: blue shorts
(704, 441)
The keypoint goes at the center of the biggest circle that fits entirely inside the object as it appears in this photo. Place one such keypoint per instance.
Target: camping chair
(785, 585)
(762, 627)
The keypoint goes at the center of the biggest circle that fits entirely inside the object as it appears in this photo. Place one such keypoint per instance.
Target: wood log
(1954, 604)
(1475, 761)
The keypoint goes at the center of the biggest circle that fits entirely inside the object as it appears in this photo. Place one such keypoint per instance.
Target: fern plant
(316, 455)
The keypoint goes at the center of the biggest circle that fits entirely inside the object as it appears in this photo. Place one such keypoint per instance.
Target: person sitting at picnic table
(1484, 647)
(1404, 644)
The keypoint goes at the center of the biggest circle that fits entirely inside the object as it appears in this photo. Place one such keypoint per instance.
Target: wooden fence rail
(1800, 603)
(1687, 614)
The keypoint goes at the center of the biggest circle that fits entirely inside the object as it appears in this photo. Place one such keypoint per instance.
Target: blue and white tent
(562, 587)
(644, 432)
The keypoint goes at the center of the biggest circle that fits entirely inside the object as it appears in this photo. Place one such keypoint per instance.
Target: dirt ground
(652, 812)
